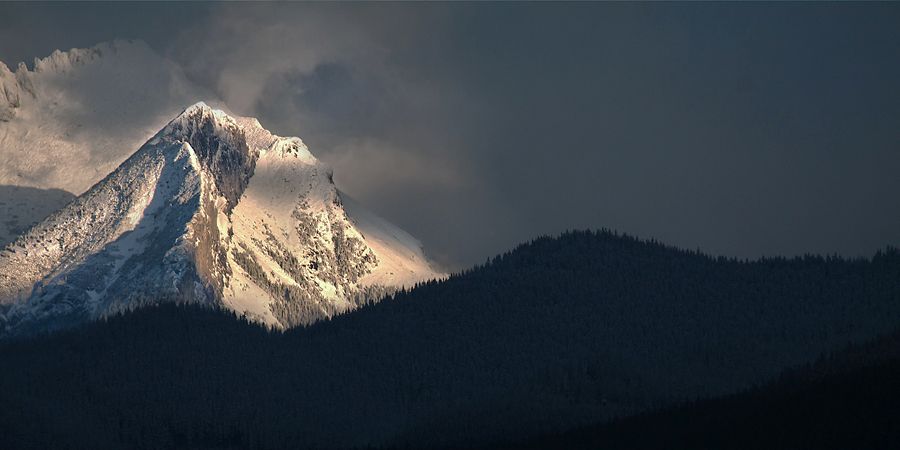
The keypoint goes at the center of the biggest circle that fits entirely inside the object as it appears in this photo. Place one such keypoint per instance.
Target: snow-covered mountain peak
(212, 209)
(220, 145)
(201, 115)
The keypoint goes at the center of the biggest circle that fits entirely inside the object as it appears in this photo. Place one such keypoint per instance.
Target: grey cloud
(742, 129)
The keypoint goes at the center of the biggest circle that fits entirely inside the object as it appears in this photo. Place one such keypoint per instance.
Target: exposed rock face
(210, 210)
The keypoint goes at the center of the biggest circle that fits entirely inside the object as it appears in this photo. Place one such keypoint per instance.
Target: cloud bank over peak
(744, 131)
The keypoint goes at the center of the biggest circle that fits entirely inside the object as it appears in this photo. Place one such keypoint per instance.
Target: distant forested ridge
(558, 333)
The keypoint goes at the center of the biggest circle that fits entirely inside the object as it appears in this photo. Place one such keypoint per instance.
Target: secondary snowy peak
(213, 210)
(18, 87)
(80, 113)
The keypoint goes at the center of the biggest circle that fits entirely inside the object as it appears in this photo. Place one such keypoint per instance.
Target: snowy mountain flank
(212, 209)
(77, 115)
(73, 118)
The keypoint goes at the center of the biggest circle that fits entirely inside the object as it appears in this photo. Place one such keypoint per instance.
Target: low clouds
(365, 168)
(238, 47)
(740, 129)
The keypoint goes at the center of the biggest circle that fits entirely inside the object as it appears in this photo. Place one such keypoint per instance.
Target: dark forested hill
(558, 333)
(849, 400)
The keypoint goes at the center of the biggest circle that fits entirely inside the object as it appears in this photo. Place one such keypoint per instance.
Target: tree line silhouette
(558, 333)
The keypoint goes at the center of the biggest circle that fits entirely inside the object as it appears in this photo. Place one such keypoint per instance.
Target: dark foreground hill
(559, 333)
(851, 400)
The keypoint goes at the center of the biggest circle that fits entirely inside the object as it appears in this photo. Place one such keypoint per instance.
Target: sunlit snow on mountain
(212, 209)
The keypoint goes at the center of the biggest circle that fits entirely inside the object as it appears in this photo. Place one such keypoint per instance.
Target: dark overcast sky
(743, 129)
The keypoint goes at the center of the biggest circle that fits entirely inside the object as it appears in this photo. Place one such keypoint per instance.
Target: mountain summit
(214, 210)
